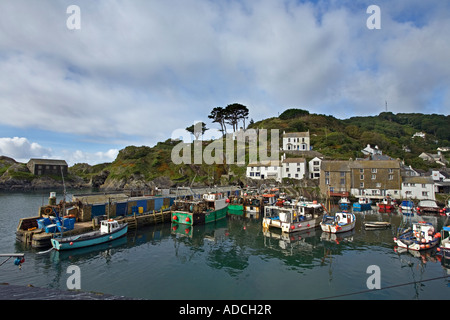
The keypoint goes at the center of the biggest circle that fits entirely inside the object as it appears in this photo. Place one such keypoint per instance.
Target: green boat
(211, 207)
(236, 209)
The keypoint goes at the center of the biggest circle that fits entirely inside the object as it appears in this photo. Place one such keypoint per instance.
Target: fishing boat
(340, 222)
(109, 230)
(446, 210)
(422, 236)
(386, 204)
(407, 207)
(427, 207)
(235, 205)
(344, 203)
(211, 207)
(363, 204)
(300, 217)
(444, 247)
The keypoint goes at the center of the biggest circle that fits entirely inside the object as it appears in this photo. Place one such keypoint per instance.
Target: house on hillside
(264, 170)
(293, 168)
(438, 158)
(40, 167)
(368, 150)
(314, 167)
(296, 141)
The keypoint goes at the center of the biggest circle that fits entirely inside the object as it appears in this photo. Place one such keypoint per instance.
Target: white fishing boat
(340, 222)
(299, 217)
(444, 247)
(422, 236)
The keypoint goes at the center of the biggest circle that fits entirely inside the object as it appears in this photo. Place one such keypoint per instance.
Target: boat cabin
(108, 226)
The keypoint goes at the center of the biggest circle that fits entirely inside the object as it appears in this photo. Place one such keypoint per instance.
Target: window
(296, 175)
(424, 193)
(374, 176)
(327, 181)
(252, 174)
(378, 185)
(316, 163)
(408, 192)
(298, 169)
(327, 173)
(287, 169)
(361, 185)
(374, 192)
(342, 174)
(424, 185)
(257, 174)
(361, 177)
(391, 170)
(342, 181)
(391, 177)
(374, 170)
(361, 170)
(289, 175)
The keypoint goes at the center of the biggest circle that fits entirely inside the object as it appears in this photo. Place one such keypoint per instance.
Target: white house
(420, 188)
(296, 141)
(265, 170)
(293, 168)
(371, 151)
(419, 134)
(314, 168)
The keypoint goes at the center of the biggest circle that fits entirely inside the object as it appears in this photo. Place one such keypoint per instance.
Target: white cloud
(92, 158)
(141, 69)
(21, 149)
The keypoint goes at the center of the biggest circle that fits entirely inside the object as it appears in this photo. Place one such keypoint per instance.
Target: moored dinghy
(340, 222)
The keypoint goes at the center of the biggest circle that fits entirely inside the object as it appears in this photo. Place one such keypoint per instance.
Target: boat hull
(333, 228)
(190, 218)
(292, 226)
(362, 206)
(415, 245)
(236, 209)
(88, 239)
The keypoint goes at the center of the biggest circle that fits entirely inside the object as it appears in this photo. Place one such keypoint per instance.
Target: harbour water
(233, 259)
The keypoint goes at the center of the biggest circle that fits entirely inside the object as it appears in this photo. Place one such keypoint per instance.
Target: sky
(81, 85)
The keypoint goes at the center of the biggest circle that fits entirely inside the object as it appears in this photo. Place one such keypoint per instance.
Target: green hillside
(334, 138)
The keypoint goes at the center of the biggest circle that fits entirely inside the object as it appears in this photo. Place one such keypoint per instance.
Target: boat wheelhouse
(387, 204)
(363, 204)
(427, 207)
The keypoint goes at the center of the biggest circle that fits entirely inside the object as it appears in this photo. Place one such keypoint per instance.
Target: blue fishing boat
(344, 203)
(363, 204)
(109, 230)
(407, 207)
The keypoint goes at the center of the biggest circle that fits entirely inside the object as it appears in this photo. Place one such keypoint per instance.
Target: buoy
(187, 219)
(71, 243)
(175, 218)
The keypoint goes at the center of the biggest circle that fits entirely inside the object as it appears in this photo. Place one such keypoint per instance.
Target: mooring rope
(388, 287)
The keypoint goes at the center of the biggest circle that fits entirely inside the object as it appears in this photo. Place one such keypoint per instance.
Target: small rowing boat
(377, 225)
